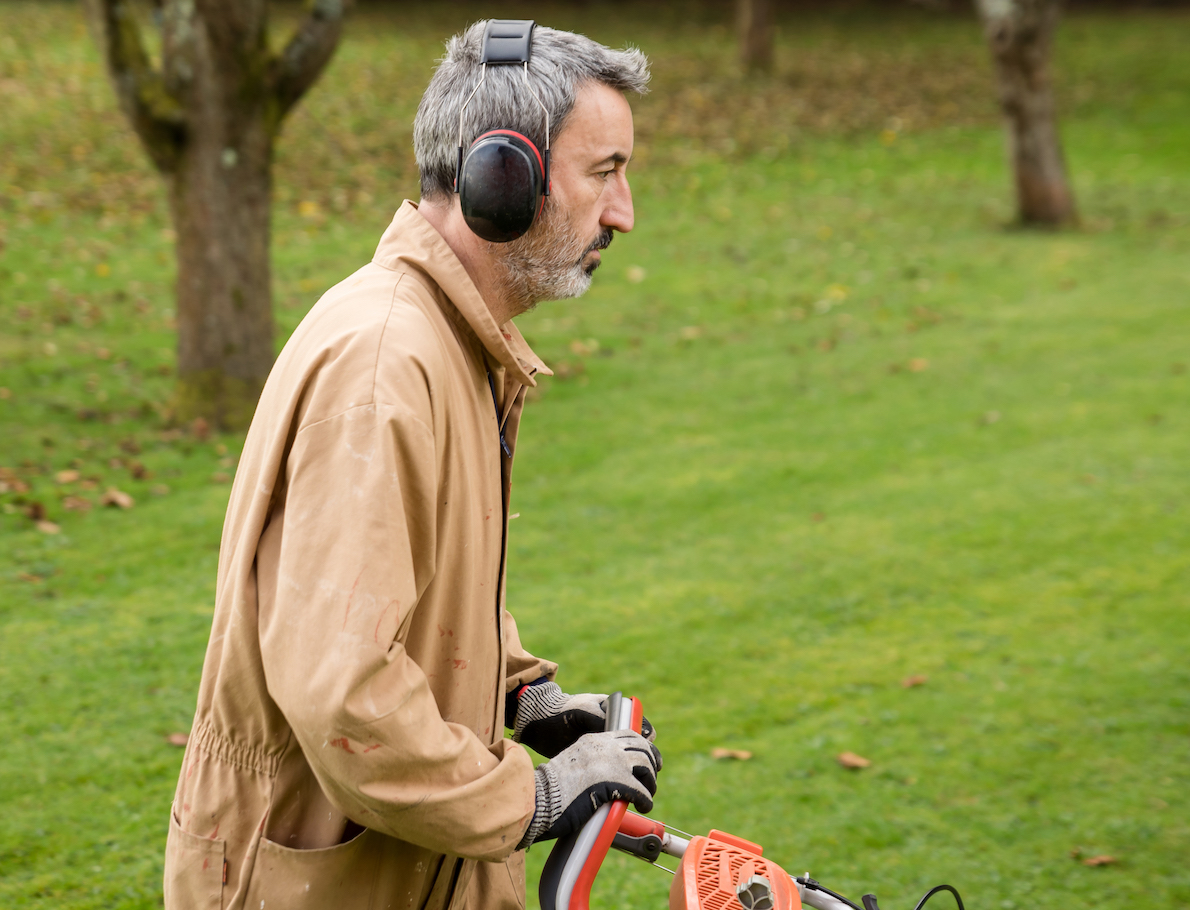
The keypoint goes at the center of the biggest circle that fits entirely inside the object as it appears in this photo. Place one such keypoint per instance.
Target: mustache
(602, 242)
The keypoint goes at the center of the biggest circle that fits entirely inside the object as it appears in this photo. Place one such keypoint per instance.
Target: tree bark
(1020, 34)
(208, 120)
(756, 35)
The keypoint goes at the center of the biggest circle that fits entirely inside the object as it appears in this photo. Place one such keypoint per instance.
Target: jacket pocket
(193, 870)
(340, 877)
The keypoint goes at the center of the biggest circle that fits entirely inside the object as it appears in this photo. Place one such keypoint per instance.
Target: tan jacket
(348, 748)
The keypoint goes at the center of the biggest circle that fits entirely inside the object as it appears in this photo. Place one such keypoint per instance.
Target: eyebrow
(614, 158)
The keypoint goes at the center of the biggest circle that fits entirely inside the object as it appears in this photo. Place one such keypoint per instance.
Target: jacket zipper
(499, 428)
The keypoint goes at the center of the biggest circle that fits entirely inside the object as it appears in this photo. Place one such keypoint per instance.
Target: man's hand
(599, 768)
(548, 720)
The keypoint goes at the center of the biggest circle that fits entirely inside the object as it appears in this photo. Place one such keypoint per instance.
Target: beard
(546, 262)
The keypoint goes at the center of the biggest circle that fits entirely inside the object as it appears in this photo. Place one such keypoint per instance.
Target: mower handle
(575, 859)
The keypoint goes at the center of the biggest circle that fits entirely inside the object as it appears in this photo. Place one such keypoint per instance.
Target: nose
(617, 209)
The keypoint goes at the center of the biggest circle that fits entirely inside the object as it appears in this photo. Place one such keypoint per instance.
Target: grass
(823, 423)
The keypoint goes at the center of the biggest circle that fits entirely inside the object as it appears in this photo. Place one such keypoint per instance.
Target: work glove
(547, 720)
(599, 768)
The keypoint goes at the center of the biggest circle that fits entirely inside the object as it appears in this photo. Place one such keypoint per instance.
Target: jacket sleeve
(521, 667)
(354, 554)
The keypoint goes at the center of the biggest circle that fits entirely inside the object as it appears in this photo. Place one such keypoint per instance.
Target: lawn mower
(717, 872)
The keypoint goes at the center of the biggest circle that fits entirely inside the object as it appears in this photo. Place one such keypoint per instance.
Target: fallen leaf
(200, 429)
(76, 504)
(178, 739)
(159, 489)
(221, 477)
(1103, 860)
(29, 577)
(70, 476)
(916, 679)
(48, 527)
(737, 754)
(635, 274)
(139, 471)
(917, 364)
(35, 511)
(114, 497)
(852, 761)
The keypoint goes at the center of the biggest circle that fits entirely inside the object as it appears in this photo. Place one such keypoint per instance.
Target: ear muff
(501, 185)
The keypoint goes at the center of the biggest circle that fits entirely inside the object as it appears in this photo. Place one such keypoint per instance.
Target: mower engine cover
(724, 872)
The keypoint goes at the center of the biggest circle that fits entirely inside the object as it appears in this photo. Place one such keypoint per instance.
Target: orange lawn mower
(716, 872)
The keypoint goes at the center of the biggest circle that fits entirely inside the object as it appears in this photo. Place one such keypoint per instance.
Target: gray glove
(548, 720)
(599, 768)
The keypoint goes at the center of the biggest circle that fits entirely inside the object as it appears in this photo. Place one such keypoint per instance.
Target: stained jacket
(348, 747)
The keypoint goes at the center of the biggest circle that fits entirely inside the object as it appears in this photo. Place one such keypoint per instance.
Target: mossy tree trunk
(756, 35)
(1021, 36)
(208, 118)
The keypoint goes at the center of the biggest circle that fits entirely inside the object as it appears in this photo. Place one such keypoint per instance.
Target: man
(348, 746)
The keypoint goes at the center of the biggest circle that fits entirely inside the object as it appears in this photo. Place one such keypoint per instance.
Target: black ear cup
(501, 185)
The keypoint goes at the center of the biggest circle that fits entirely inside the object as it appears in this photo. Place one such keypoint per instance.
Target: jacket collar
(412, 242)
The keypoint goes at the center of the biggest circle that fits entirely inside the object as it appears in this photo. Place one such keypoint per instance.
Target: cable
(958, 900)
(807, 882)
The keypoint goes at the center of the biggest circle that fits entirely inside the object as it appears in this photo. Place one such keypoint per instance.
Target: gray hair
(560, 63)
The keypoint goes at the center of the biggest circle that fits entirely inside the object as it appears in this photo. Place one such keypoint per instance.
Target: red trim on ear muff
(540, 161)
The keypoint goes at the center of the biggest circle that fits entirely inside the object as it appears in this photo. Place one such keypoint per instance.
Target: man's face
(589, 198)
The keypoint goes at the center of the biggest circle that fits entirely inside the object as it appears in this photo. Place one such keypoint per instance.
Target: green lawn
(823, 423)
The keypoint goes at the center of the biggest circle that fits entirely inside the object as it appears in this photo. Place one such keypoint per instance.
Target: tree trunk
(756, 35)
(1020, 33)
(220, 195)
(208, 120)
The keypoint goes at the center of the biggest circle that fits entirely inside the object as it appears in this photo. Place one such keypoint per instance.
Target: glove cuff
(547, 807)
(537, 703)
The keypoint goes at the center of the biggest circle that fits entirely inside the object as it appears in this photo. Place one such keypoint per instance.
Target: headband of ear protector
(503, 179)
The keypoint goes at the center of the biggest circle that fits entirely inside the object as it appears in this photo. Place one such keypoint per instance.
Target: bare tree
(208, 117)
(1021, 33)
(756, 35)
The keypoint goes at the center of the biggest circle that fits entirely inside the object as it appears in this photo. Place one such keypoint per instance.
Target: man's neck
(472, 252)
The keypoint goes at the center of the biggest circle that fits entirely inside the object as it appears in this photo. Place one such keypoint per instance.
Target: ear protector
(503, 179)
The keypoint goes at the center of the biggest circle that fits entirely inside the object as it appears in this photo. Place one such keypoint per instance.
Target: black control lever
(647, 848)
